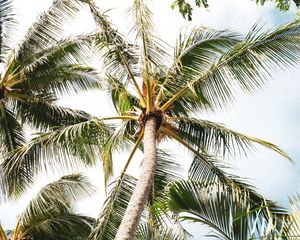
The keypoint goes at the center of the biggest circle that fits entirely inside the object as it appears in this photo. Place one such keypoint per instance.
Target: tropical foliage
(38, 70)
(186, 9)
(145, 83)
(49, 214)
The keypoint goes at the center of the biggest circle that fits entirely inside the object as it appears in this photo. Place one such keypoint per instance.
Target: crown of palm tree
(36, 71)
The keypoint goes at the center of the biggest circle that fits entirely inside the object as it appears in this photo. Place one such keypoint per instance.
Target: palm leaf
(56, 198)
(61, 67)
(201, 172)
(114, 208)
(145, 232)
(40, 112)
(227, 210)
(61, 149)
(122, 99)
(216, 138)
(48, 215)
(120, 56)
(248, 65)
(48, 29)
(7, 24)
(194, 53)
(11, 132)
(63, 227)
(291, 229)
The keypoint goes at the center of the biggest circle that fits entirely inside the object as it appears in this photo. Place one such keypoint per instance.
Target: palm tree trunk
(140, 195)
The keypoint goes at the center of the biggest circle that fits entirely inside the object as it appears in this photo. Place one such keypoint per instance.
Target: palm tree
(156, 96)
(49, 214)
(36, 71)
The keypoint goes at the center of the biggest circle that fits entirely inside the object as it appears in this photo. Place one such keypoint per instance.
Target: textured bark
(140, 195)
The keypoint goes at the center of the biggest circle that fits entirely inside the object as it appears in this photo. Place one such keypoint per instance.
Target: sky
(272, 114)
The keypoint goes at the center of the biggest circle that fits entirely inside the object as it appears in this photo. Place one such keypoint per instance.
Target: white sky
(272, 114)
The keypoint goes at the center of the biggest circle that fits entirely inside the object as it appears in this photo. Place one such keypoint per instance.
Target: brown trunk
(140, 195)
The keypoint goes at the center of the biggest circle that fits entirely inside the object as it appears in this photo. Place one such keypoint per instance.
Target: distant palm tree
(36, 71)
(156, 96)
(49, 214)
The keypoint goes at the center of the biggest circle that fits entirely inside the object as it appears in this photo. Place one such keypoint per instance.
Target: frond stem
(118, 117)
(136, 145)
(173, 135)
(142, 99)
(2, 233)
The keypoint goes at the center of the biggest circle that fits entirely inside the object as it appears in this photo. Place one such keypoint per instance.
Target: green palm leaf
(61, 67)
(11, 132)
(227, 210)
(47, 30)
(114, 208)
(61, 149)
(63, 227)
(247, 65)
(194, 53)
(201, 172)
(48, 215)
(40, 112)
(216, 138)
(7, 25)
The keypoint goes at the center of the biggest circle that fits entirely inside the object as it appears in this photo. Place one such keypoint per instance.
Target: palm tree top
(208, 67)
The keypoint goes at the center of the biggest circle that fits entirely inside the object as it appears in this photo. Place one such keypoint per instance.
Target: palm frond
(215, 174)
(291, 229)
(213, 170)
(167, 170)
(226, 209)
(152, 50)
(143, 28)
(11, 132)
(59, 67)
(62, 227)
(194, 53)
(48, 29)
(7, 24)
(146, 232)
(122, 99)
(247, 66)
(116, 142)
(40, 112)
(60, 149)
(216, 138)
(114, 208)
(56, 198)
(120, 56)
